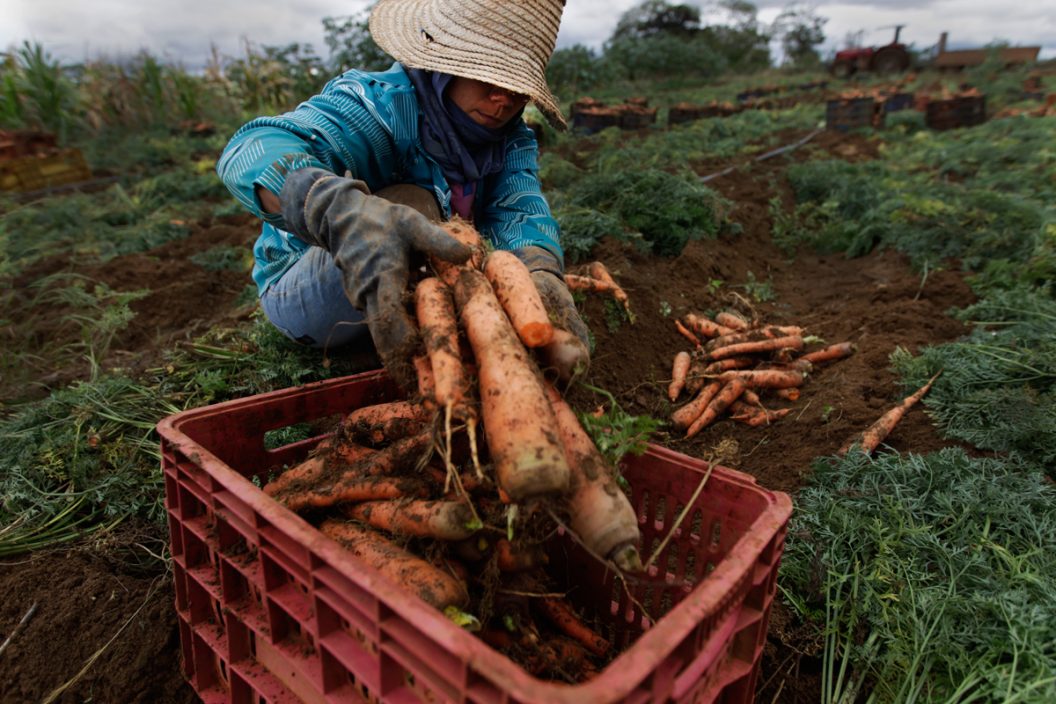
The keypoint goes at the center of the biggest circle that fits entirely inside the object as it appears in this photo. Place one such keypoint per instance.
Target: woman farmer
(352, 182)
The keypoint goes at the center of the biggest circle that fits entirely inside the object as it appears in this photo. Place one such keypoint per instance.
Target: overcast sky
(185, 30)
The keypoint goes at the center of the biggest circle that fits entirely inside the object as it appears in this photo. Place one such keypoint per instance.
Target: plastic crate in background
(846, 114)
(270, 610)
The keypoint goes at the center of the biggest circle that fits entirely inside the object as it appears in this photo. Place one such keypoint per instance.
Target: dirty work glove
(548, 275)
(371, 241)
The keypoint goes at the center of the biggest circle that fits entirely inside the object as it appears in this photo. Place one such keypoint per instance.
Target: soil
(878, 302)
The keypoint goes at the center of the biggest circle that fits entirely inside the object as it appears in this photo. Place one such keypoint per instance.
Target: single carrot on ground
(764, 378)
(684, 416)
(519, 297)
(723, 365)
(702, 326)
(718, 405)
(679, 370)
(745, 348)
(600, 272)
(770, 332)
(732, 320)
(830, 353)
(789, 394)
(686, 333)
(871, 438)
(431, 584)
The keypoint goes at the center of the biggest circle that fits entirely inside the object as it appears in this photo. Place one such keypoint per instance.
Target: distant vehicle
(888, 59)
(894, 57)
(957, 59)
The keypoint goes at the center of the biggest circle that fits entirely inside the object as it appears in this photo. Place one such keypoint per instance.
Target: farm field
(925, 573)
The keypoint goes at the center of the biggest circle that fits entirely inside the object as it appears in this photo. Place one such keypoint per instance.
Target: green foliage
(801, 30)
(938, 196)
(581, 228)
(224, 258)
(934, 575)
(573, 70)
(662, 55)
(667, 210)
(38, 92)
(96, 438)
(152, 211)
(351, 45)
(617, 433)
(998, 386)
(758, 291)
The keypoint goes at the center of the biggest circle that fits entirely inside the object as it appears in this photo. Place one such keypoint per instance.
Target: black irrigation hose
(764, 157)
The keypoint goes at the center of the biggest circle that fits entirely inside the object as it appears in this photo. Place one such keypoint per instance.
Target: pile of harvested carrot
(741, 369)
(461, 521)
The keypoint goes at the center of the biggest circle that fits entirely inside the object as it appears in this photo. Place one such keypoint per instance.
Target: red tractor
(888, 59)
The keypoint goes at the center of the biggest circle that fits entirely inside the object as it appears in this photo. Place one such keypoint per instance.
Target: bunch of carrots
(408, 487)
(736, 364)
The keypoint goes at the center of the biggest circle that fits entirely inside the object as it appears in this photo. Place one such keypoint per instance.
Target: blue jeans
(308, 304)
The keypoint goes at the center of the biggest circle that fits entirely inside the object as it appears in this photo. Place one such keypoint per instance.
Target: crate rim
(634, 665)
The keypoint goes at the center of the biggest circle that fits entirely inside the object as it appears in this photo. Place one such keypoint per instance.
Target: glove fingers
(394, 332)
(559, 304)
(426, 237)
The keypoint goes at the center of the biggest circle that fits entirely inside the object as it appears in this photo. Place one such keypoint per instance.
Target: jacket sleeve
(336, 130)
(514, 212)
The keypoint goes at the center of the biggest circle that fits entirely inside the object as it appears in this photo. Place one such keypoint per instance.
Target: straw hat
(506, 43)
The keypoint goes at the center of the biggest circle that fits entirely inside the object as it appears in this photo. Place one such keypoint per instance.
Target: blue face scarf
(466, 151)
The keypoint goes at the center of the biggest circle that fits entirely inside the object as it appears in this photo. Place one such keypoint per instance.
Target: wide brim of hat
(399, 28)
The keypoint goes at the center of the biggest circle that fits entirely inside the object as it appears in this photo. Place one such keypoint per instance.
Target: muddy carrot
(751, 397)
(679, 370)
(432, 585)
(832, 352)
(601, 514)
(443, 520)
(561, 615)
(723, 365)
(764, 378)
(519, 424)
(383, 422)
(600, 272)
(732, 320)
(684, 416)
(702, 326)
(756, 347)
(686, 333)
(789, 394)
(767, 416)
(875, 434)
(467, 235)
(327, 461)
(439, 329)
(770, 332)
(519, 557)
(426, 381)
(578, 282)
(718, 405)
(352, 489)
(519, 297)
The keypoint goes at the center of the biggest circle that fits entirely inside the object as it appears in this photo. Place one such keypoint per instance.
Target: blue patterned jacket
(367, 124)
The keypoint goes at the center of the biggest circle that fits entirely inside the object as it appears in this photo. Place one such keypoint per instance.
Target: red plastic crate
(271, 610)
